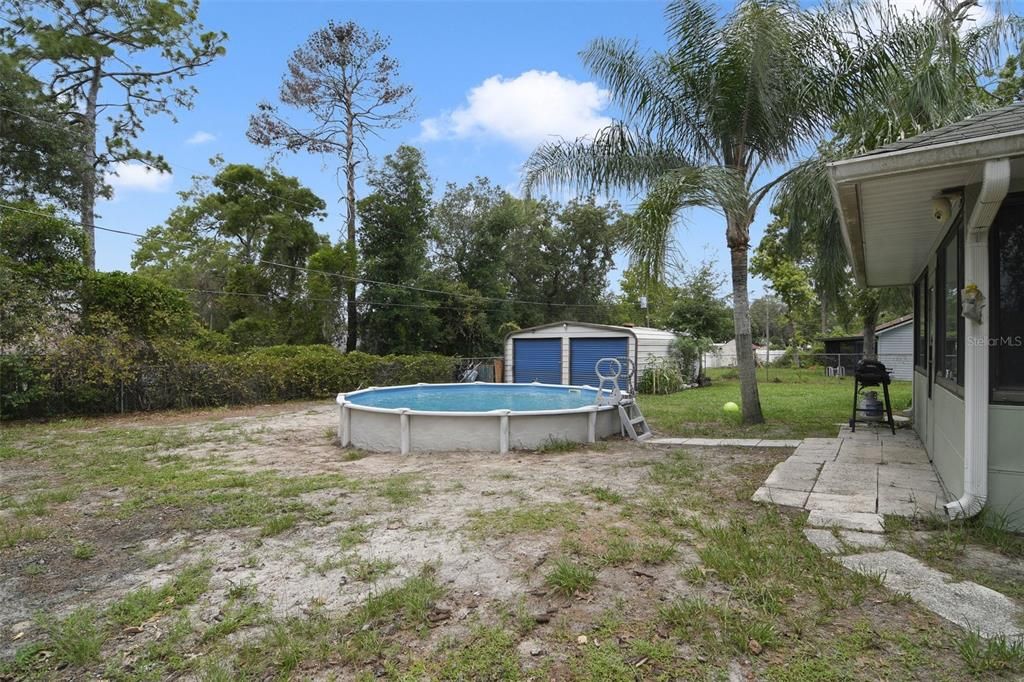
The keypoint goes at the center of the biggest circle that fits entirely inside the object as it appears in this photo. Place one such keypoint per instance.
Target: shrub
(661, 377)
(92, 375)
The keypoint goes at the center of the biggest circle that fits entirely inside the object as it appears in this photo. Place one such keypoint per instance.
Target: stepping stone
(828, 543)
(903, 454)
(780, 496)
(824, 540)
(845, 478)
(871, 523)
(840, 503)
(706, 442)
(794, 475)
(669, 441)
(862, 540)
(971, 606)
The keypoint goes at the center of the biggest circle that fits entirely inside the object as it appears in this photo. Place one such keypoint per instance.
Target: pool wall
(405, 430)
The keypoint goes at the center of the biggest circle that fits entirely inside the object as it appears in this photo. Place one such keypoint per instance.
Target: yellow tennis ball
(730, 407)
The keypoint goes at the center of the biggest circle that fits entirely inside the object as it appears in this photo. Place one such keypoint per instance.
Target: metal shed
(566, 352)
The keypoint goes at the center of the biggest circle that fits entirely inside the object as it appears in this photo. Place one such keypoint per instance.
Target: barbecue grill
(868, 374)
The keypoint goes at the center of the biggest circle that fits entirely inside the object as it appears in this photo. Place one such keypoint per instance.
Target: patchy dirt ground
(246, 544)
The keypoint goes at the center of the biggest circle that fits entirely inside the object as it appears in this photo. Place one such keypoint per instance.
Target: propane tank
(872, 406)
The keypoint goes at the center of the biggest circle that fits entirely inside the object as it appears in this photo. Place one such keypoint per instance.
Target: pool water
(477, 398)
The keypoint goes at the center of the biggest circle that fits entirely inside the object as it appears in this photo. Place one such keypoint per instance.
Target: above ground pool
(478, 416)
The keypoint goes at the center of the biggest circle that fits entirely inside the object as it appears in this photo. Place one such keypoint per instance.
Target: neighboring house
(943, 212)
(895, 346)
(721, 355)
(724, 355)
(566, 352)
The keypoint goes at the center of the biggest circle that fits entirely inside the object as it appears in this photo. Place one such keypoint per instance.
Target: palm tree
(705, 123)
(903, 74)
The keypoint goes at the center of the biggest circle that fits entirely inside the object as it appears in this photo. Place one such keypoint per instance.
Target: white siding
(896, 350)
(651, 344)
(643, 343)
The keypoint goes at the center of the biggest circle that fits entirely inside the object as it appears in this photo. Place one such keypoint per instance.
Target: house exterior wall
(939, 421)
(1006, 462)
(896, 350)
(947, 429)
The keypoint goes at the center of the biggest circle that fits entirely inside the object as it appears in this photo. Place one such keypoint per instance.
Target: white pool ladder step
(634, 424)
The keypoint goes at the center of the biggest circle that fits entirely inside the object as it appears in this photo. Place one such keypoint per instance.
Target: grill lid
(871, 370)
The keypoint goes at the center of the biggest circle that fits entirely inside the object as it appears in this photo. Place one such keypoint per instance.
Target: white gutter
(995, 183)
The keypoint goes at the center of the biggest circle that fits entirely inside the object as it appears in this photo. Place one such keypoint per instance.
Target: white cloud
(528, 109)
(136, 176)
(201, 137)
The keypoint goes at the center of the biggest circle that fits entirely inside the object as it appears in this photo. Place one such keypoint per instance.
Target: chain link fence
(900, 365)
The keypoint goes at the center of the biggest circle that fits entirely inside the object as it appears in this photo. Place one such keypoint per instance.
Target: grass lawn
(797, 403)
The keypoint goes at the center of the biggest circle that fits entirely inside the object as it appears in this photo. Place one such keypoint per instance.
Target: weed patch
(526, 519)
(568, 577)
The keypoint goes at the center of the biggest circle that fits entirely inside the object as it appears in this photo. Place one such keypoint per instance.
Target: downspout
(995, 183)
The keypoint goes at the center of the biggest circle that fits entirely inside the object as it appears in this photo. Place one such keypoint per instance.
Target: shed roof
(638, 332)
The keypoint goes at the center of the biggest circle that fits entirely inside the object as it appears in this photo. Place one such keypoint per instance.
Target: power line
(349, 278)
(320, 300)
(285, 265)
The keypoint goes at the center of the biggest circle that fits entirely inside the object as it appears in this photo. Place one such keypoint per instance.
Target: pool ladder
(633, 422)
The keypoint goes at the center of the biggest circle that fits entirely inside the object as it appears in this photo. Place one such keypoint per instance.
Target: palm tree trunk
(751, 402)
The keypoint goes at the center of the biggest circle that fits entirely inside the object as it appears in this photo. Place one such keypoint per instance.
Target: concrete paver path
(870, 471)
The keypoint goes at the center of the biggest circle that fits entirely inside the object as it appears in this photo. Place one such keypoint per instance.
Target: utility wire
(217, 292)
(349, 278)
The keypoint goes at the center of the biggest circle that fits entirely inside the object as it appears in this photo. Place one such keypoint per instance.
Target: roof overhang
(885, 201)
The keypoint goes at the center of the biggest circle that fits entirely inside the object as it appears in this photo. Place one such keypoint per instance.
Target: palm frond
(616, 158)
(648, 234)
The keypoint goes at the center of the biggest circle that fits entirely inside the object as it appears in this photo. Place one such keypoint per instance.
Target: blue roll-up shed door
(584, 354)
(537, 360)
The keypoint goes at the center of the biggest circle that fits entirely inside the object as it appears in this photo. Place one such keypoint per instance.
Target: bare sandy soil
(83, 530)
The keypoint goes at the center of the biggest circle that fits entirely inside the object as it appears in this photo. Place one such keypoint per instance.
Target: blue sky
(491, 79)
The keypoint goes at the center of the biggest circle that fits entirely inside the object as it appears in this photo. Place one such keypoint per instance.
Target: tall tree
(790, 277)
(700, 309)
(902, 74)
(39, 161)
(122, 59)
(733, 96)
(659, 295)
(394, 255)
(343, 79)
(40, 262)
(247, 231)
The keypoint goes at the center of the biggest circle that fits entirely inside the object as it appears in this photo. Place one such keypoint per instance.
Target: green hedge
(95, 375)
